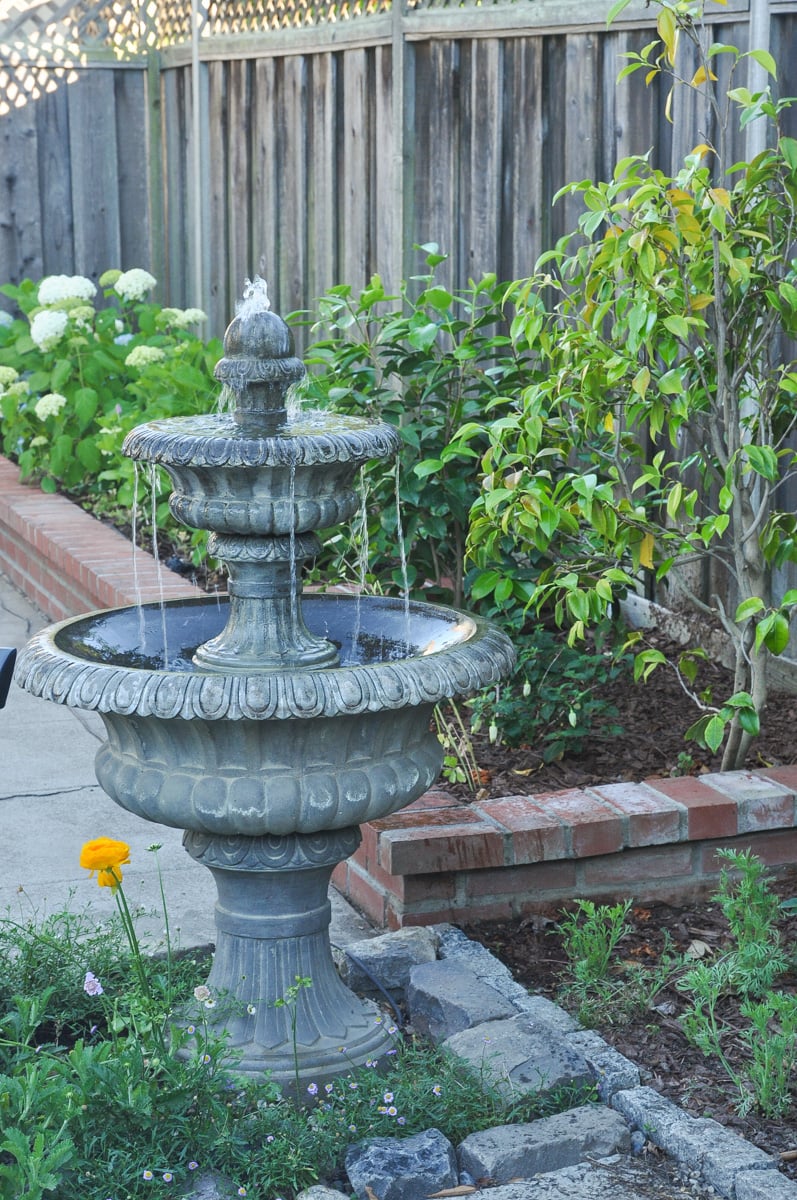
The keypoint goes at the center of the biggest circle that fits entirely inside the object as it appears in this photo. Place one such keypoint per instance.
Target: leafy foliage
(552, 699)
(660, 323)
(426, 361)
(68, 399)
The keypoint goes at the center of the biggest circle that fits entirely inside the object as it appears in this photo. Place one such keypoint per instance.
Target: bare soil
(654, 1039)
(654, 717)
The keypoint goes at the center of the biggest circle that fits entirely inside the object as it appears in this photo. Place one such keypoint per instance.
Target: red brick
(710, 814)
(530, 879)
(761, 803)
(635, 866)
(786, 776)
(650, 819)
(535, 834)
(489, 910)
(433, 799)
(433, 818)
(401, 918)
(365, 895)
(368, 852)
(775, 849)
(595, 827)
(426, 851)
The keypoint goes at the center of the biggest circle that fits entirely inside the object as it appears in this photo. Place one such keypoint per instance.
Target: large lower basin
(272, 753)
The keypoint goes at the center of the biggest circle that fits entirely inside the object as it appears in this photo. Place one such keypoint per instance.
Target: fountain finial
(259, 365)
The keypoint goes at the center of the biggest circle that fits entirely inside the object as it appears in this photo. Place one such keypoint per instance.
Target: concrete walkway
(50, 804)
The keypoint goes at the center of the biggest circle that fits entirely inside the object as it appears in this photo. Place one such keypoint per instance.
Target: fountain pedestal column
(272, 921)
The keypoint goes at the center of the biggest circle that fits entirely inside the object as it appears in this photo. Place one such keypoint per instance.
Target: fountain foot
(281, 1003)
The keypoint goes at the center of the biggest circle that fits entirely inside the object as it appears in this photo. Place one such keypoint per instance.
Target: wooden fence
(324, 152)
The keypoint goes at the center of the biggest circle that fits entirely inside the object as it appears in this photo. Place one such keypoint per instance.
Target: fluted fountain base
(277, 996)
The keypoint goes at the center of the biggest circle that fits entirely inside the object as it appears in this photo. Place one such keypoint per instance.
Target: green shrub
(427, 362)
(552, 700)
(77, 373)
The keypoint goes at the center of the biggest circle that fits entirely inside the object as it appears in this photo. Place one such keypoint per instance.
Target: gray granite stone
(511, 1151)
(445, 997)
(402, 1168)
(518, 1059)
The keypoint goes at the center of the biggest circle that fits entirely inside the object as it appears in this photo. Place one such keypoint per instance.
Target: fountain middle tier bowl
(275, 752)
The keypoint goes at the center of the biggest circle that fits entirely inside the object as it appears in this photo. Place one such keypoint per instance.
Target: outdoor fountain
(269, 725)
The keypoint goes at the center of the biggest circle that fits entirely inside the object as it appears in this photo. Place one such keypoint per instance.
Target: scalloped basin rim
(387, 661)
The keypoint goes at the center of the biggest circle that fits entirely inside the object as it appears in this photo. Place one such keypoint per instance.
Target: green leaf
(777, 638)
(423, 336)
(678, 325)
(714, 733)
(752, 604)
(788, 148)
(438, 298)
(615, 10)
(748, 719)
(61, 372)
(430, 466)
(765, 60)
(763, 461)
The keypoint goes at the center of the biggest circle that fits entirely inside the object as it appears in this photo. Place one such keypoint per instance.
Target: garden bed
(653, 1038)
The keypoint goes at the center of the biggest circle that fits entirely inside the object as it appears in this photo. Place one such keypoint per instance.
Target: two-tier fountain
(270, 725)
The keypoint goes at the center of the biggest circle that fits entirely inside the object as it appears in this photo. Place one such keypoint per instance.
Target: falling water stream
(402, 550)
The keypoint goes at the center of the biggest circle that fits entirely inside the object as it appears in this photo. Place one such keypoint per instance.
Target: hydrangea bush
(80, 365)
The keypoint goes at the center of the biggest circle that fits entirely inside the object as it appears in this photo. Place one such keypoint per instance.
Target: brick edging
(438, 859)
(66, 562)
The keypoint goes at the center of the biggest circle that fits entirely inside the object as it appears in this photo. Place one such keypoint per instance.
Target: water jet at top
(280, 721)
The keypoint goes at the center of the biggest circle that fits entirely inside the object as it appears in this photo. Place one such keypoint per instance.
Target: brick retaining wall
(439, 859)
(66, 562)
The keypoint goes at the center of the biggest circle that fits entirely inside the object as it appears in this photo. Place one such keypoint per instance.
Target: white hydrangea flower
(49, 405)
(8, 375)
(48, 327)
(83, 316)
(55, 288)
(5, 318)
(142, 356)
(19, 389)
(134, 284)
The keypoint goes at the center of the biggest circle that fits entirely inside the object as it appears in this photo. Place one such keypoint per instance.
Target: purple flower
(92, 985)
(312, 1089)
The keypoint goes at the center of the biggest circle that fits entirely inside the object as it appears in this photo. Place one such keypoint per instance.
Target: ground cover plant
(701, 996)
(113, 1086)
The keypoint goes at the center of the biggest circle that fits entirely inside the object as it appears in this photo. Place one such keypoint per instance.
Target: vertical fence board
(521, 226)
(131, 141)
(240, 264)
(265, 173)
(482, 197)
(217, 289)
(321, 178)
(95, 194)
(436, 210)
(582, 107)
(353, 181)
(386, 210)
(292, 183)
(176, 100)
(55, 182)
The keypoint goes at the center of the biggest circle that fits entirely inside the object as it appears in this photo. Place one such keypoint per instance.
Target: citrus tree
(658, 428)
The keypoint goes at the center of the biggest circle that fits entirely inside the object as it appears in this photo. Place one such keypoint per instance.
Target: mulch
(654, 1039)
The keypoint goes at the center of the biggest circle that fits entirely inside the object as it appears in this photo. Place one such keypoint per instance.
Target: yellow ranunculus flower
(105, 856)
